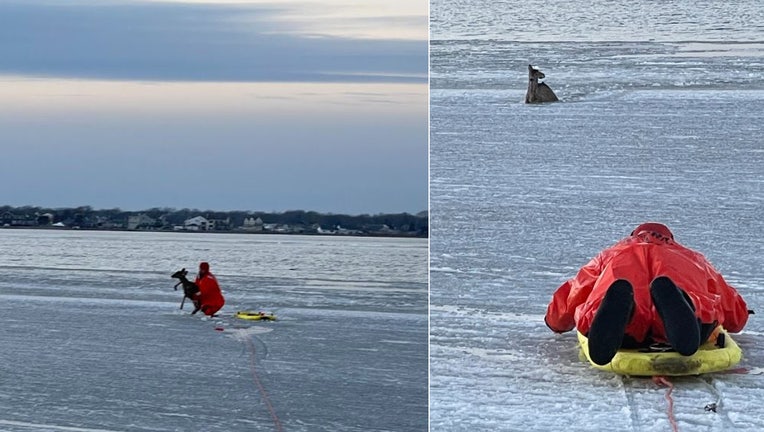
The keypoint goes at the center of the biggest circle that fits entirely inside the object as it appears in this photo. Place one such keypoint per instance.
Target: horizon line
(212, 211)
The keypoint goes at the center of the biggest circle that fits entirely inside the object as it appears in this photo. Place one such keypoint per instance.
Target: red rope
(264, 394)
(662, 380)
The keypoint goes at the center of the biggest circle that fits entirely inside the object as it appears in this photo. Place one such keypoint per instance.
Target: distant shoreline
(192, 220)
(66, 228)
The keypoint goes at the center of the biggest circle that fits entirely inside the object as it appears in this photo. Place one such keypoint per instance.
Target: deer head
(180, 275)
(534, 73)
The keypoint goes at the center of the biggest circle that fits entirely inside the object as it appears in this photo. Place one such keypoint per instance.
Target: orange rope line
(259, 384)
(661, 380)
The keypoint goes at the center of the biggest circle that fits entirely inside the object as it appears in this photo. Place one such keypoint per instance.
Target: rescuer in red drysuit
(647, 288)
(209, 296)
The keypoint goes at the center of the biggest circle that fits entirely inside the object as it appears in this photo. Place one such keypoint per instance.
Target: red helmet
(655, 227)
(204, 266)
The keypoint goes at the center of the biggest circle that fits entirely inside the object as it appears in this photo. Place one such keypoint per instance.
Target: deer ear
(183, 269)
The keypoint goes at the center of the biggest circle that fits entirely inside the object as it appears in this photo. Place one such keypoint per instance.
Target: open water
(661, 118)
(93, 338)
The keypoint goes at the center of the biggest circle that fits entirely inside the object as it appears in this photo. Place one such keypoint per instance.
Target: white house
(252, 224)
(139, 220)
(198, 223)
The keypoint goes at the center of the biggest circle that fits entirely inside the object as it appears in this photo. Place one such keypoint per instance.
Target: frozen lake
(93, 339)
(661, 118)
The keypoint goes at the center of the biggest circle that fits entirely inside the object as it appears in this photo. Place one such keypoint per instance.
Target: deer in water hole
(538, 92)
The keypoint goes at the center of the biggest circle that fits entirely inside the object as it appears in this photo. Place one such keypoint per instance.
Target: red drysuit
(650, 251)
(210, 298)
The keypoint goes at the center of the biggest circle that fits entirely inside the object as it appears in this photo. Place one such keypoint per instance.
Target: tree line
(87, 217)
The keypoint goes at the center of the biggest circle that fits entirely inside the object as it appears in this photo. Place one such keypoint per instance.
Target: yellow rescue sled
(719, 353)
(255, 316)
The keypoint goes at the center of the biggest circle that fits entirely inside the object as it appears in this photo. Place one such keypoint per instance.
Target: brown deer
(190, 289)
(538, 92)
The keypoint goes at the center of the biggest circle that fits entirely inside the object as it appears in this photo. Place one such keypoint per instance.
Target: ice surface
(97, 341)
(656, 123)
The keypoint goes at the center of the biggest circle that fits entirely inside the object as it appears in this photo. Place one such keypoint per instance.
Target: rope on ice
(661, 380)
(266, 399)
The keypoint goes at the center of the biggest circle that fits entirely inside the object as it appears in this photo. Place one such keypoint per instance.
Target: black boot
(606, 332)
(677, 313)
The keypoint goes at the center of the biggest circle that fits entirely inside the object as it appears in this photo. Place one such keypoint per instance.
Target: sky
(257, 105)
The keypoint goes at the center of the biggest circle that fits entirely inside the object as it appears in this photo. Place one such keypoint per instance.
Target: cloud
(138, 104)
(120, 40)
(348, 148)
